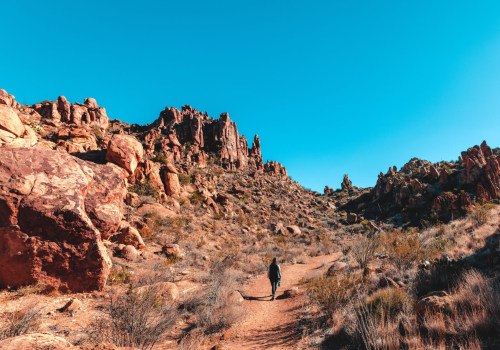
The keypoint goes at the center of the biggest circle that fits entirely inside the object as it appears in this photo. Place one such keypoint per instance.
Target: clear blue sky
(331, 87)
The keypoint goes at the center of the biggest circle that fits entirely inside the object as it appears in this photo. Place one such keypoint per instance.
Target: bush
(404, 248)
(145, 189)
(388, 303)
(134, 320)
(331, 293)
(160, 157)
(185, 179)
(215, 306)
(364, 251)
(197, 197)
(479, 213)
(21, 321)
(119, 275)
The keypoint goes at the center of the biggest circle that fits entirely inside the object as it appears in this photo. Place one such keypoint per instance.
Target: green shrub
(145, 189)
(185, 179)
(119, 275)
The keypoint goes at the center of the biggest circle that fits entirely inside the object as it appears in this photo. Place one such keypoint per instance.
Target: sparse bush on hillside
(119, 275)
(404, 248)
(134, 319)
(364, 250)
(479, 213)
(215, 306)
(332, 293)
(185, 179)
(21, 321)
(145, 188)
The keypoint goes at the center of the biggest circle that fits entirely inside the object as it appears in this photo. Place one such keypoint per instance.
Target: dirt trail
(273, 324)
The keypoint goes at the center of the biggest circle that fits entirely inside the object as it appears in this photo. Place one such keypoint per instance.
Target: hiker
(274, 275)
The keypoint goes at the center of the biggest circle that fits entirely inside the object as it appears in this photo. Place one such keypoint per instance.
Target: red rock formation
(346, 184)
(52, 206)
(125, 151)
(61, 110)
(275, 168)
(190, 135)
(8, 100)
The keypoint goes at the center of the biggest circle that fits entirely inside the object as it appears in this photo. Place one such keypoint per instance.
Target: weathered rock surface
(174, 129)
(61, 110)
(35, 341)
(125, 151)
(52, 206)
(8, 99)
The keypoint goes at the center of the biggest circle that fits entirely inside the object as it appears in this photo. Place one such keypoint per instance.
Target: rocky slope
(423, 192)
(71, 179)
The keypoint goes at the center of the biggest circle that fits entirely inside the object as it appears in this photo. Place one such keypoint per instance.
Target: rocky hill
(71, 179)
(146, 234)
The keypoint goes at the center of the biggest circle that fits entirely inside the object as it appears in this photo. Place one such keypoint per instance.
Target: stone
(172, 251)
(61, 110)
(337, 266)
(127, 252)
(47, 232)
(71, 306)
(125, 151)
(434, 302)
(129, 235)
(168, 291)
(346, 184)
(35, 341)
(8, 99)
(171, 183)
(294, 230)
(290, 293)
(10, 122)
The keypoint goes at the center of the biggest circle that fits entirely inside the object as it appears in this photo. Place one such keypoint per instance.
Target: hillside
(131, 235)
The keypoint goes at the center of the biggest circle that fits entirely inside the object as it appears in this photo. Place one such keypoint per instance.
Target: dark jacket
(274, 273)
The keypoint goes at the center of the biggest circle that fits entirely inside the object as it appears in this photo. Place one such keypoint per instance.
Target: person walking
(274, 275)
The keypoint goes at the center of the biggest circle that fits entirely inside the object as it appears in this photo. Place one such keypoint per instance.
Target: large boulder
(49, 219)
(125, 151)
(171, 182)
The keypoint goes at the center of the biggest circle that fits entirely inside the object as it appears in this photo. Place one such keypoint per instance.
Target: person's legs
(273, 287)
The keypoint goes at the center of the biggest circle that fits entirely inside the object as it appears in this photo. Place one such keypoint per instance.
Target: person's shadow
(263, 298)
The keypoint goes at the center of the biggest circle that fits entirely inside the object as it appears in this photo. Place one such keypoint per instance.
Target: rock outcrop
(61, 110)
(12, 130)
(444, 190)
(8, 99)
(346, 184)
(190, 136)
(52, 208)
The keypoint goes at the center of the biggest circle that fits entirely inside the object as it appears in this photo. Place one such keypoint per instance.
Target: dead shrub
(364, 250)
(332, 293)
(215, 307)
(388, 303)
(134, 319)
(404, 248)
(479, 213)
(21, 321)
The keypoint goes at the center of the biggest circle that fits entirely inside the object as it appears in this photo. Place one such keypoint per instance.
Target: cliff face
(195, 135)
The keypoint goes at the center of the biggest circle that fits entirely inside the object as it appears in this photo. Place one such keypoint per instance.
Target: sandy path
(273, 324)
